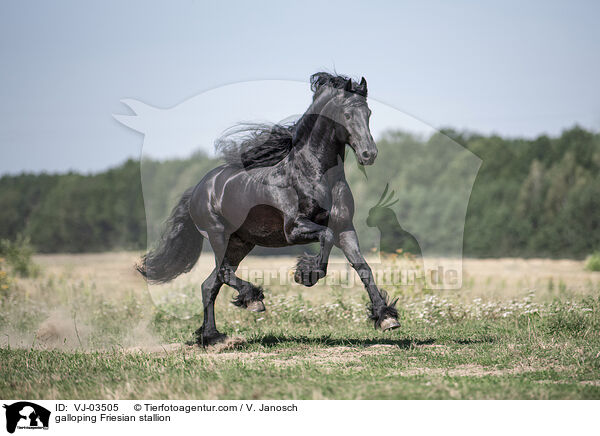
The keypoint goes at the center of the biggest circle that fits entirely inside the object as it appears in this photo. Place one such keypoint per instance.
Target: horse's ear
(363, 83)
(348, 86)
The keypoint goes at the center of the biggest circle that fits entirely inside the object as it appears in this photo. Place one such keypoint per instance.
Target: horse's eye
(347, 116)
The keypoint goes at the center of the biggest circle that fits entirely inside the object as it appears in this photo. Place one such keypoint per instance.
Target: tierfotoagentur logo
(25, 415)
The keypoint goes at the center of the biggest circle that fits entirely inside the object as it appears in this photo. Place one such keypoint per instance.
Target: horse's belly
(263, 226)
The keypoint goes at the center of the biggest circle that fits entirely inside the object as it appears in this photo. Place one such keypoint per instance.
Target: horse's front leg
(383, 313)
(310, 268)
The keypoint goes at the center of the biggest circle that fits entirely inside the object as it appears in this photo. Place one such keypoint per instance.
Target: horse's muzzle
(367, 157)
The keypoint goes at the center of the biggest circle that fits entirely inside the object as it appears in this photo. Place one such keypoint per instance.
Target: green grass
(592, 263)
(445, 349)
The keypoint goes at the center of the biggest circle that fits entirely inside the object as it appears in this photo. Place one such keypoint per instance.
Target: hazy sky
(515, 68)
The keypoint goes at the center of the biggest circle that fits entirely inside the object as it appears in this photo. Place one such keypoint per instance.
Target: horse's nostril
(366, 154)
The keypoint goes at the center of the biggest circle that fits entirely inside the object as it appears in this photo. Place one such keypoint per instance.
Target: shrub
(592, 263)
(18, 256)
(4, 278)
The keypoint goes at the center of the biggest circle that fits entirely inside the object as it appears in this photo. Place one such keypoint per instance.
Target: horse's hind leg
(227, 261)
(208, 333)
(249, 295)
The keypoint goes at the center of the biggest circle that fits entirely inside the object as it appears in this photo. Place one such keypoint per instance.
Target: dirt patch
(331, 356)
(230, 344)
(567, 382)
(158, 349)
(473, 370)
(590, 382)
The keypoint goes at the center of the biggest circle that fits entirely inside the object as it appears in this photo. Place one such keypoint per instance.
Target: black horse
(281, 185)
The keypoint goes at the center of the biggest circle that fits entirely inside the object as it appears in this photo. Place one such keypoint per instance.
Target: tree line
(531, 197)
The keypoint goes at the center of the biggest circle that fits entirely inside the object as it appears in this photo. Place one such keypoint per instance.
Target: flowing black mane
(256, 145)
(263, 144)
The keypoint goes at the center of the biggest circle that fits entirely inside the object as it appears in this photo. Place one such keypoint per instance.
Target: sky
(511, 68)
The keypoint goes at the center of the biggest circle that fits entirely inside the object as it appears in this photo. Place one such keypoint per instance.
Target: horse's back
(205, 198)
(228, 199)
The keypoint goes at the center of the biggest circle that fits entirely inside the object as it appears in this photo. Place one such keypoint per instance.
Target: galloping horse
(281, 185)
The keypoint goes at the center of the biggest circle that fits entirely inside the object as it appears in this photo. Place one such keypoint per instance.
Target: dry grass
(114, 274)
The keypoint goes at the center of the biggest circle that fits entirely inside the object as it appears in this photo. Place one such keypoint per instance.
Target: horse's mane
(320, 80)
(254, 145)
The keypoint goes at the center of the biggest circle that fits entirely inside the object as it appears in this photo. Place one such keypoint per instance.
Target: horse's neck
(316, 149)
(319, 156)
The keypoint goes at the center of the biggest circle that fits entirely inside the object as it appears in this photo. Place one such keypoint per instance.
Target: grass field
(87, 327)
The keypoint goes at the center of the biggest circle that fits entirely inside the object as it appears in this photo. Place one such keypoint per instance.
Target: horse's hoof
(308, 278)
(389, 324)
(213, 339)
(303, 278)
(308, 270)
(256, 306)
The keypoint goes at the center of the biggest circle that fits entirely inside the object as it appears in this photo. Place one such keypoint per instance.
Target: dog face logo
(26, 415)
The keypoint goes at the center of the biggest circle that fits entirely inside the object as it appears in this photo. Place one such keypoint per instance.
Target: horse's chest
(315, 210)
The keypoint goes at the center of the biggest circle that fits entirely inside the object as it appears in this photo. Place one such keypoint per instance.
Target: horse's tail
(178, 249)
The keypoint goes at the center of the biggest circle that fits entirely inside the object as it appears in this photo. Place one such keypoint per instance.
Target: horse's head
(348, 108)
